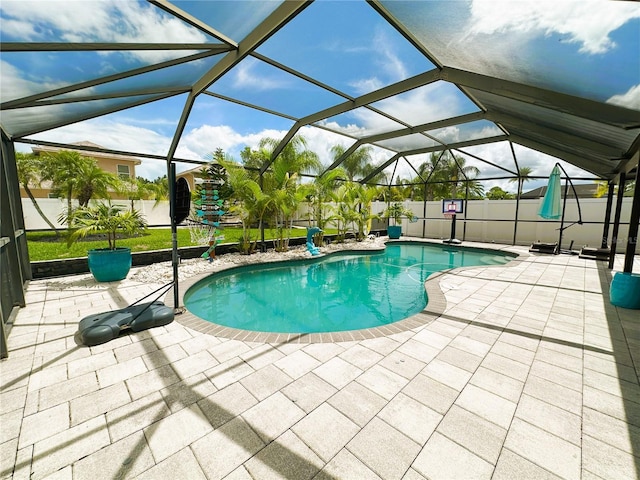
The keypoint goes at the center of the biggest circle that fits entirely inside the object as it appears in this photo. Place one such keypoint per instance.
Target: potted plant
(397, 211)
(112, 263)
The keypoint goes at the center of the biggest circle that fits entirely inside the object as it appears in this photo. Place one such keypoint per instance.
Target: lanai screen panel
(590, 49)
(427, 103)
(509, 110)
(466, 131)
(257, 83)
(347, 46)
(23, 121)
(408, 142)
(234, 19)
(360, 123)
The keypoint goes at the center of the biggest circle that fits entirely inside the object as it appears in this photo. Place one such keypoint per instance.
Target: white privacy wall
(487, 220)
(493, 221)
(53, 207)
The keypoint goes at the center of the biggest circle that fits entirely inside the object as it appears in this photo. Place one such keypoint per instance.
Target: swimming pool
(345, 291)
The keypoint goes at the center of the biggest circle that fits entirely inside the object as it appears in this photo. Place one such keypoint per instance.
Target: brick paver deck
(526, 372)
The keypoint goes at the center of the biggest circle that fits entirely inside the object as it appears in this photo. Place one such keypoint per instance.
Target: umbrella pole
(564, 208)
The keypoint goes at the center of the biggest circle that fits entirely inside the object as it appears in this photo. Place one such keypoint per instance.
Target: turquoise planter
(625, 290)
(394, 231)
(109, 265)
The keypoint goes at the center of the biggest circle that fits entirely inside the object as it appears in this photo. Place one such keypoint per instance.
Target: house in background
(121, 165)
(193, 176)
(584, 190)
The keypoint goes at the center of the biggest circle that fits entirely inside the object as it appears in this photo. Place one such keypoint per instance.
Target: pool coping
(435, 306)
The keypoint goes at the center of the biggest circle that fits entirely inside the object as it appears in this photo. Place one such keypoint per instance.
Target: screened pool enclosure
(506, 86)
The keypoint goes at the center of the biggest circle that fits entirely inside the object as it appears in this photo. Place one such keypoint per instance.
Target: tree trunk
(69, 208)
(39, 210)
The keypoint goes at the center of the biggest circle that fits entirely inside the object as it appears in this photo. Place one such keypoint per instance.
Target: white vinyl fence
(53, 207)
(484, 220)
(493, 221)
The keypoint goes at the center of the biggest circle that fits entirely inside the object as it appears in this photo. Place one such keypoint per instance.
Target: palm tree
(75, 176)
(104, 218)
(318, 194)
(446, 173)
(434, 172)
(365, 196)
(524, 174)
(29, 173)
(137, 189)
(61, 169)
(160, 189)
(93, 181)
(355, 164)
(282, 181)
(457, 168)
(249, 203)
(379, 178)
(345, 211)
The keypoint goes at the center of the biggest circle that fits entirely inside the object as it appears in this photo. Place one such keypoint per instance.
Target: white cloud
(320, 141)
(431, 102)
(247, 79)
(448, 134)
(366, 85)
(14, 85)
(387, 62)
(207, 138)
(629, 99)
(98, 21)
(387, 58)
(588, 23)
(116, 136)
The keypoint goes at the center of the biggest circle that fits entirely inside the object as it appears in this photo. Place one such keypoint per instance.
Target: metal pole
(424, 212)
(564, 208)
(607, 217)
(632, 238)
(263, 247)
(174, 233)
(616, 219)
(515, 223)
(466, 206)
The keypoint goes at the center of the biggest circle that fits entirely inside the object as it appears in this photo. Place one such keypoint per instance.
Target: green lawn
(44, 246)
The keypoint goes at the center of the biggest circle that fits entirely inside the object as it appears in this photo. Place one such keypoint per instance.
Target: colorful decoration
(209, 211)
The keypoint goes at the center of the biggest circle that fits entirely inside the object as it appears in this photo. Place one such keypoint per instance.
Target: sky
(587, 48)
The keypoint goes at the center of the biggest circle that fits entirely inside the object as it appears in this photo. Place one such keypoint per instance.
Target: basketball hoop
(451, 210)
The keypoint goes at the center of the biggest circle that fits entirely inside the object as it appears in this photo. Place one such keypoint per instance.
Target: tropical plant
(497, 193)
(524, 174)
(137, 189)
(104, 218)
(249, 204)
(92, 181)
(353, 210)
(318, 196)
(29, 173)
(445, 174)
(160, 188)
(355, 165)
(74, 176)
(365, 196)
(397, 211)
(281, 183)
(345, 214)
(461, 173)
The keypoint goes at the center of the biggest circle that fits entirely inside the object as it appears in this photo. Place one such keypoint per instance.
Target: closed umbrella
(551, 206)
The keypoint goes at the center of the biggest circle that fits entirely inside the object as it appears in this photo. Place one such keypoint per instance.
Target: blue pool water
(338, 292)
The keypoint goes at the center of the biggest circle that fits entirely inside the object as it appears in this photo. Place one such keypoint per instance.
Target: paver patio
(529, 372)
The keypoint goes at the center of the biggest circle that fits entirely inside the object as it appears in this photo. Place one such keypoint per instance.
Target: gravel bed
(163, 272)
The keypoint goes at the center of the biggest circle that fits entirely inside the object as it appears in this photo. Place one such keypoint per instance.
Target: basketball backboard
(452, 205)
